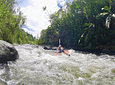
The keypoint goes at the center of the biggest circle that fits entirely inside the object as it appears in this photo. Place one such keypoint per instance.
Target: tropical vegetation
(11, 22)
(88, 24)
(84, 24)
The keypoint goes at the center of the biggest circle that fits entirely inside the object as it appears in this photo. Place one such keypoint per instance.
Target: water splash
(37, 66)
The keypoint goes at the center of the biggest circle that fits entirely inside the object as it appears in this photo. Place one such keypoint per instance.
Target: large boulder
(7, 52)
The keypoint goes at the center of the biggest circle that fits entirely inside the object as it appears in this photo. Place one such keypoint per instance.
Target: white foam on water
(37, 66)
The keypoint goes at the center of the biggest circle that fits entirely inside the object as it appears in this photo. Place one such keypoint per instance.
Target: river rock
(50, 48)
(7, 52)
(105, 50)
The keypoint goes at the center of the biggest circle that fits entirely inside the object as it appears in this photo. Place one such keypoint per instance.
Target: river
(37, 66)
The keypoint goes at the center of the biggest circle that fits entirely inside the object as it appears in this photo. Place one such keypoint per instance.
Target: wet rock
(50, 48)
(54, 48)
(105, 50)
(46, 48)
(7, 52)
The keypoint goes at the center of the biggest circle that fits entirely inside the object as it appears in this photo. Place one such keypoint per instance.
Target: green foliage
(11, 22)
(83, 23)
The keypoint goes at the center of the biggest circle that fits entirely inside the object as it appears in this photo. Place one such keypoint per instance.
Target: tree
(83, 23)
(11, 22)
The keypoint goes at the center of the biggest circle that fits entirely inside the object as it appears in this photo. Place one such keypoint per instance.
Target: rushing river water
(37, 66)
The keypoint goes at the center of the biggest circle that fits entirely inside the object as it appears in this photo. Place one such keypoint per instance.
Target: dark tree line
(83, 23)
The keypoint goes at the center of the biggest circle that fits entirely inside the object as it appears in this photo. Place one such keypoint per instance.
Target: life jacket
(61, 50)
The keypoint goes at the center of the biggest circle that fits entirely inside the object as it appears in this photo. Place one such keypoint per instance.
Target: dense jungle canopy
(11, 22)
(86, 24)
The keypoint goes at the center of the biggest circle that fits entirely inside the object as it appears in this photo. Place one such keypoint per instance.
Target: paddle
(57, 51)
(59, 41)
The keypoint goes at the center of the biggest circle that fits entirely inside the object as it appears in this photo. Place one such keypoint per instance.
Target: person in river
(60, 49)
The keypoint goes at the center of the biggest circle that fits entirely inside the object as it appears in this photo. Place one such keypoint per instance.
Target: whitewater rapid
(37, 66)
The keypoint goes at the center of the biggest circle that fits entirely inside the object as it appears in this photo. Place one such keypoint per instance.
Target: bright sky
(37, 19)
